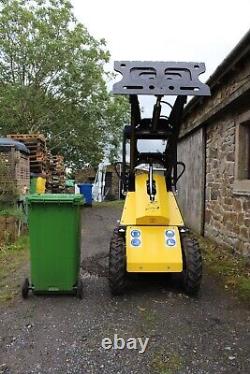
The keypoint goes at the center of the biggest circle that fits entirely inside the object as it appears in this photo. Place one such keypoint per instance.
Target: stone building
(113, 182)
(105, 175)
(214, 192)
(86, 175)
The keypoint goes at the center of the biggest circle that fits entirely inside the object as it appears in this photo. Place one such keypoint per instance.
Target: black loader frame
(158, 79)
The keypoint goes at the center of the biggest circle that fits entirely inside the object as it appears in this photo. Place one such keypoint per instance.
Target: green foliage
(118, 116)
(22, 243)
(52, 81)
(11, 211)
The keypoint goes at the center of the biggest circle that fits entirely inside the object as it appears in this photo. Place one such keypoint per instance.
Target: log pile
(36, 144)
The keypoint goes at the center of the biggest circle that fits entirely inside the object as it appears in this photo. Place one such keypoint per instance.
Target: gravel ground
(60, 334)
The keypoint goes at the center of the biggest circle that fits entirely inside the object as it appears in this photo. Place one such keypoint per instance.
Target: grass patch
(149, 317)
(12, 257)
(163, 363)
(148, 320)
(232, 268)
(243, 287)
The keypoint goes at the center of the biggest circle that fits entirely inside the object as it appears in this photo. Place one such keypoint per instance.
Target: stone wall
(86, 175)
(227, 194)
(191, 184)
(227, 215)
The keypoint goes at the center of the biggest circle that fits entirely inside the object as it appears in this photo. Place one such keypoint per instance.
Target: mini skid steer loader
(151, 236)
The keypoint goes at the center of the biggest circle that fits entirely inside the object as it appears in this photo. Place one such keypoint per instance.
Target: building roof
(13, 143)
(238, 52)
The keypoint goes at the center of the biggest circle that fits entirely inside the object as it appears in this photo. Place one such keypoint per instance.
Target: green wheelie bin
(54, 231)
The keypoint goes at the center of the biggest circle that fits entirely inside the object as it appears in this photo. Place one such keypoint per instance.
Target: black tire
(117, 265)
(79, 289)
(192, 265)
(25, 288)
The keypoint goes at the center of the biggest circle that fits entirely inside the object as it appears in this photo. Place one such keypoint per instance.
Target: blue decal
(170, 233)
(171, 242)
(135, 233)
(135, 242)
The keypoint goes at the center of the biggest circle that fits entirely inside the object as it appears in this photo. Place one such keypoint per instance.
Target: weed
(11, 212)
(243, 285)
(233, 269)
(12, 257)
(166, 363)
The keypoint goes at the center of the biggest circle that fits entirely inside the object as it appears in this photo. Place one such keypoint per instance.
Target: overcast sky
(176, 30)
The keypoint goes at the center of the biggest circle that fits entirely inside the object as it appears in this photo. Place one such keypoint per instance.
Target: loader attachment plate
(160, 78)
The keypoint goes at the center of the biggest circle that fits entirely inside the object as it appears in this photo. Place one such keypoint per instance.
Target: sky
(176, 30)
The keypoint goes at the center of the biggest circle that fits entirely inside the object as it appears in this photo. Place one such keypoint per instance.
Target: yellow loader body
(153, 254)
(152, 235)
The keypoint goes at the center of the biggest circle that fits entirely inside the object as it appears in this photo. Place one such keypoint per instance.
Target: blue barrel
(86, 191)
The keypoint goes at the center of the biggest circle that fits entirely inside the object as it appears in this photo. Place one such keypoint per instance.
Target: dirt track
(210, 334)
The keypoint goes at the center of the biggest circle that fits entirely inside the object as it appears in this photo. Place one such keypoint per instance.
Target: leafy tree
(52, 81)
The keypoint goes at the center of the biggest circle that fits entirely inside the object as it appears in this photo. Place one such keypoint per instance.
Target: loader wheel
(117, 265)
(192, 265)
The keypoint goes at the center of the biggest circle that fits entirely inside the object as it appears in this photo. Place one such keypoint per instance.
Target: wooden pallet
(37, 170)
(38, 157)
(56, 173)
(35, 147)
(27, 137)
(35, 164)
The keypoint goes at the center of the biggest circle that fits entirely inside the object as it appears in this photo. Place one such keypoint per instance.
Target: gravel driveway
(210, 334)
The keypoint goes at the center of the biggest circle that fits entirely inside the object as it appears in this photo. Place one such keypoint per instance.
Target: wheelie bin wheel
(25, 288)
(192, 265)
(117, 265)
(79, 289)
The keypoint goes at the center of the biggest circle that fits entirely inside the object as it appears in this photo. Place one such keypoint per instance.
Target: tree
(52, 80)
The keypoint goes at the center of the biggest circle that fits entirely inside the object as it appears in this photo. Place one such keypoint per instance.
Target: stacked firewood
(36, 144)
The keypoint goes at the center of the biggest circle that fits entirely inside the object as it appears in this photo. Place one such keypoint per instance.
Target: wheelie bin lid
(85, 184)
(55, 198)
